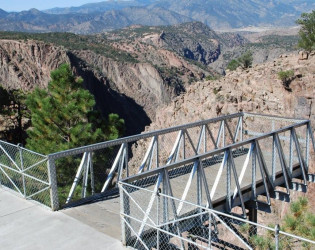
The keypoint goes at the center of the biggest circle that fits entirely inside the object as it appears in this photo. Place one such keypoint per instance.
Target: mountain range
(110, 15)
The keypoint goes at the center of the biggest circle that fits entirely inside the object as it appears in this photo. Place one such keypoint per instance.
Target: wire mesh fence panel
(25, 172)
(198, 227)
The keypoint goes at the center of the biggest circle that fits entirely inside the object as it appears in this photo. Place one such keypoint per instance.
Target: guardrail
(101, 166)
(97, 168)
(223, 178)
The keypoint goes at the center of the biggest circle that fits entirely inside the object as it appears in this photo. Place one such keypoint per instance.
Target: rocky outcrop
(257, 89)
(139, 81)
(134, 90)
(27, 64)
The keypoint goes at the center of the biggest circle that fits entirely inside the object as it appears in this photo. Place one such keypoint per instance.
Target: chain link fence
(25, 172)
(151, 221)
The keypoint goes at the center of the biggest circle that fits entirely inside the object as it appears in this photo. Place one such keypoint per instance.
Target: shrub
(232, 65)
(286, 77)
(245, 61)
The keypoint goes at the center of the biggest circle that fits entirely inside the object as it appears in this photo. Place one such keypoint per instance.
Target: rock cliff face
(28, 64)
(134, 90)
(257, 89)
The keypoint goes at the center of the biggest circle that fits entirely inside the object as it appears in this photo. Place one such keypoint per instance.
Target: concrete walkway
(27, 225)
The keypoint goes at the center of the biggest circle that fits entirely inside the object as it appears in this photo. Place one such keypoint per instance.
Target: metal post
(228, 182)
(158, 219)
(252, 216)
(90, 155)
(254, 195)
(124, 209)
(53, 184)
(307, 151)
(291, 153)
(274, 155)
(22, 169)
(210, 231)
(277, 229)
(199, 186)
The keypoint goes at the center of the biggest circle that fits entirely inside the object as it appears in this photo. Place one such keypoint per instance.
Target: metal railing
(200, 228)
(250, 171)
(99, 167)
(25, 172)
(96, 169)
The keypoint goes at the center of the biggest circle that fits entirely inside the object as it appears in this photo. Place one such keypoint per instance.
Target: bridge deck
(104, 216)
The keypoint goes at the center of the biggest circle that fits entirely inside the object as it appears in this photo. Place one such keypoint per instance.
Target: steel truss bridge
(180, 187)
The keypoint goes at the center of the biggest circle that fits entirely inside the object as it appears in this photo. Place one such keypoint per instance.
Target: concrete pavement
(28, 225)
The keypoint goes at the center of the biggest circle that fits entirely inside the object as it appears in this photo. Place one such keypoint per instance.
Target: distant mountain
(37, 21)
(233, 14)
(109, 15)
(100, 7)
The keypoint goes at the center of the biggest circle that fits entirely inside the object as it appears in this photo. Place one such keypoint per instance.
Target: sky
(19, 5)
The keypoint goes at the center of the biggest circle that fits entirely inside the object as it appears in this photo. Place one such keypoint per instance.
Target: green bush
(245, 61)
(286, 77)
(233, 65)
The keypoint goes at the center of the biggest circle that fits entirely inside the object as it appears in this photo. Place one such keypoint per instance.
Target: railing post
(210, 230)
(252, 216)
(158, 219)
(307, 150)
(277, 229)
(22, 169)
(53, 184)
(124, 209)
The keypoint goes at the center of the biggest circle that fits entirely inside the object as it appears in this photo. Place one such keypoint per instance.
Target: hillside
(131, 79)
(257, 89)
(110, 15)
(134, 70)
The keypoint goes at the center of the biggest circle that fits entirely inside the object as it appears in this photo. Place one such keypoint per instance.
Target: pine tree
(307, 31)
(63, 116)
(14, 110)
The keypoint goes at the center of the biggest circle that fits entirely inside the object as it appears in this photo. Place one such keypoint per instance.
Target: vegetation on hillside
(244, 61)
(286, 77)
(298, 221)
(74, 42)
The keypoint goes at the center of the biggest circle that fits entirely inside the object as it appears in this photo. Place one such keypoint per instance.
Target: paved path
(28, 225)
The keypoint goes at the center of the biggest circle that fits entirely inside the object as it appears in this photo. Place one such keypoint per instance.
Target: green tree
(307, 31)
(286, 77)
(64, 117)
(15, 113)
(300, 221)
(245, 61)
(232, 65)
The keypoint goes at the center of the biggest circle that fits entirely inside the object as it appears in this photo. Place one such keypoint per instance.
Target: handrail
(211, 153)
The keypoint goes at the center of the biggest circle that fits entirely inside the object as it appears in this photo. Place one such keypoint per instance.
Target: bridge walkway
(26, 225)
(103, 214)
